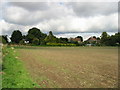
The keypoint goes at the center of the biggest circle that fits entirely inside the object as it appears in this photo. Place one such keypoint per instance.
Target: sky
(63, 18)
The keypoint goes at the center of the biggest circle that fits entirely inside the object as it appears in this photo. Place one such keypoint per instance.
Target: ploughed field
(72, 67)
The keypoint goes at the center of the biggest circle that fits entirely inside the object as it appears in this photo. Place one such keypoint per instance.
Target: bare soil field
(72, 67)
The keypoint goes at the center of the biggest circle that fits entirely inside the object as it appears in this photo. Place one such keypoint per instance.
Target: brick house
(75, 40)
(92, 39)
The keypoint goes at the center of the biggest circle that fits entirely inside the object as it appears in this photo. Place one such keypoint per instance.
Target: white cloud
(20, 13)
(31, 6)
(60, 17)
(8, 28)
(77, 24)
(84, 35)
(86, 9)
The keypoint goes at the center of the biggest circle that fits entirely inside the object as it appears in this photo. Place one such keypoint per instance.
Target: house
(75, 40)
(88, 44)
(92, 39)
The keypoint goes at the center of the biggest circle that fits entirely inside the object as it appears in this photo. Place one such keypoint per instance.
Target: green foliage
(22, 42)
(15, 75)
(35, 41)
(51, 38)
(117, 36)
(63, 40)
(113, 40)
(43, 42)
(3, 39)
(60, 44)
(36, 37)
(104, 38)
(30, 37)
(16, 36)
(35, 33)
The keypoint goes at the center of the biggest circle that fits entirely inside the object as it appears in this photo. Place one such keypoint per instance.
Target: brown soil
(68, 67)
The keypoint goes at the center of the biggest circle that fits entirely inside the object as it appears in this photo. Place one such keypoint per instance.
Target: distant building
(75, 40)
(88, 44)
(92, 39)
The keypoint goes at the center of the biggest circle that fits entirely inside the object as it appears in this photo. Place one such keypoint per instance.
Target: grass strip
(14, 73)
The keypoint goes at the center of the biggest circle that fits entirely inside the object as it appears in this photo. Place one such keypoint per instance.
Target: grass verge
(14, 73)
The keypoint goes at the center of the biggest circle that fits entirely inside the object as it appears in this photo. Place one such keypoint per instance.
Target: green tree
(35, 33)
(98, 38)
(35, 41)
(51, 38)
(3, 39)
(22, 42)
(29, 38)
(117, 36)
(104, 38)
(63, 40)
(16, 36)
(114, 40)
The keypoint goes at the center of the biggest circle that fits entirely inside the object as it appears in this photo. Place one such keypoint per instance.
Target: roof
(92, 39)
(75, 39)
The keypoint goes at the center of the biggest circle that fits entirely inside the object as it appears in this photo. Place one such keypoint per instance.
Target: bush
(22, 42)
(35, 41)
(60, 44)
(43, 43)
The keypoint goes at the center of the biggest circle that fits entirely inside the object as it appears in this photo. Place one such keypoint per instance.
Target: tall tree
(104, 38)
(35, 41)
(16, 36)
(35, 33)
(51, 38)
(63, 40)
(114, 40)
(4, 39)
(117, 35)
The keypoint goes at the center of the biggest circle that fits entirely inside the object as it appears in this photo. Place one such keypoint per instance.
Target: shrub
(60, 44)
(35, 41)
(22, 42)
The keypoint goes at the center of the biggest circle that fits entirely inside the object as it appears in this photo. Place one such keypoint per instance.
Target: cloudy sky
(65, 19)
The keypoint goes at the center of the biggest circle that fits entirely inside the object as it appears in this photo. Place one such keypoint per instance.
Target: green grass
(15, 75)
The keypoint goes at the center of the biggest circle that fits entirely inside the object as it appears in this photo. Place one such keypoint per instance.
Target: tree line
(36, 37)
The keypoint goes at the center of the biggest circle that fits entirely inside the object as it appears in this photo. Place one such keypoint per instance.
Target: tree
(98, 38)
(22, 42)
(94, 37)
(117, 36)
(104, 38)
(114, 40)
(51, 38)
(50, 33)
(3, 39)
(35, 41)
(29, 38)
(16, 36)
(35, 33)
(81, 38)
(63, 40)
